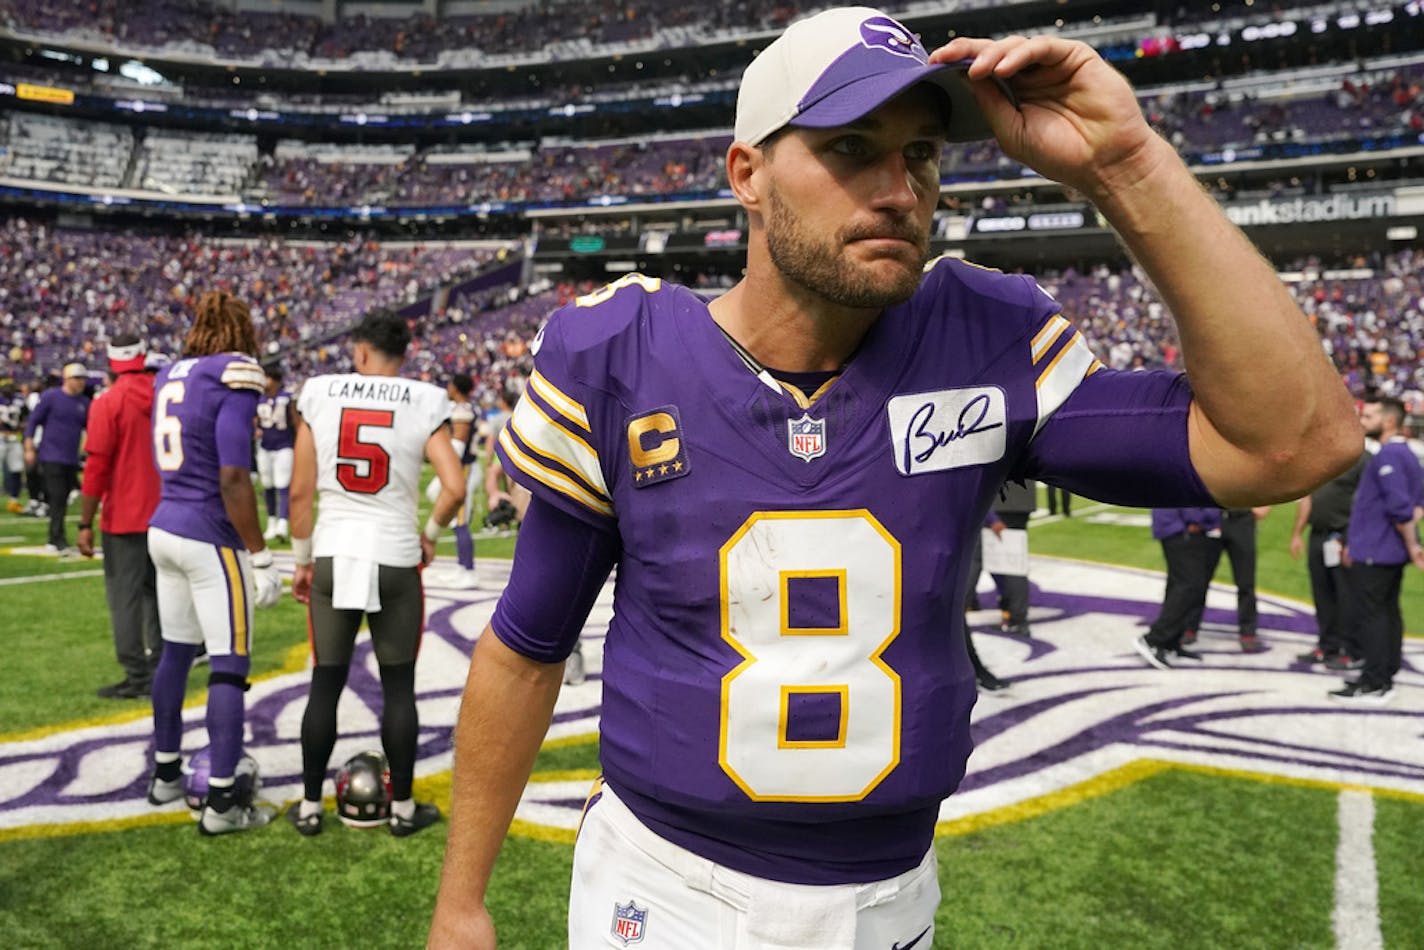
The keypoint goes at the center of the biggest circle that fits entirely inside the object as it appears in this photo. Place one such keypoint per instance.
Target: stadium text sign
(1302, 210)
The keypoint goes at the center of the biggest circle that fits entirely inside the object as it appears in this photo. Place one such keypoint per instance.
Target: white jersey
(370, 434)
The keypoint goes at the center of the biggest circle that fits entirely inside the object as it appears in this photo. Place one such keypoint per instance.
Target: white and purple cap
(839, 65)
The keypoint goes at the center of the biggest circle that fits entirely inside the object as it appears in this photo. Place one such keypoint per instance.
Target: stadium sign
(1041, 221)
(1084, 714)
(1308, 210)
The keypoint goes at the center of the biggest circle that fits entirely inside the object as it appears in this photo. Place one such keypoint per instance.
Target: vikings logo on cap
(881, 32)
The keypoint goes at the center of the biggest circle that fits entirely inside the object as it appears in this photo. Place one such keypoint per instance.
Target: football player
(207, 547)
(789, 481)
(274, 450)
(13, 413)
(360, 440)
(463, 438)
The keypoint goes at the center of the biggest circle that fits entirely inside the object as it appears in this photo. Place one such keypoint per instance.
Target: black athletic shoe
(308, 827)
(1314, 656)
(1344, 661)
(425, 815)
(1155, 655)
(1358, 693)
(1250, 643)
(1189, 638)
(126, 689)
(1183, 653)
(989, 683)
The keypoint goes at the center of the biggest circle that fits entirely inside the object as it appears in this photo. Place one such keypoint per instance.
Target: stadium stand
(537, 136)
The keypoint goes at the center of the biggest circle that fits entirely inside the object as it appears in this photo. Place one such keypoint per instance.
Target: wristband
(302, 551)
(87, 527)
(262, 559)
(432, 530)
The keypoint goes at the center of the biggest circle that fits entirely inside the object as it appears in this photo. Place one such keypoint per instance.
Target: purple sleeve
(1121, 437)
(233, 429)
(560, 564)
(1394, 484)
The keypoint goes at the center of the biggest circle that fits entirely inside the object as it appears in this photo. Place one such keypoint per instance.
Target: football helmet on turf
(198, 769)
(363, 791)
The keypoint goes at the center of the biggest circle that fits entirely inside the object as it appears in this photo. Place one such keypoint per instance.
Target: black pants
(1054, 495)
(1330, 589)
(1381, 625)
(1238, 540)
(1191, 562)
(131, 587)
(395, 636)
(59, 481)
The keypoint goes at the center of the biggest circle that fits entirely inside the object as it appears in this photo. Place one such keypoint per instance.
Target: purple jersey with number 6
(199, 409)
(786, 687)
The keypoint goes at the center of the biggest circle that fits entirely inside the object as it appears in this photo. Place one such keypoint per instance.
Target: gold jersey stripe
(556, 480)
(555, 397)
(1047, 336)
(238, 585)
(544, 435)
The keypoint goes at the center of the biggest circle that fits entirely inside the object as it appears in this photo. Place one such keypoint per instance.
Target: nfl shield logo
(806, 437)
(628, 922)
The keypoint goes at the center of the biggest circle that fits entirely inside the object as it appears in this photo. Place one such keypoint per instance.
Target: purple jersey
(62, 417)
(1391, 486)
(274, 420)
(202, 422)
(786, 687)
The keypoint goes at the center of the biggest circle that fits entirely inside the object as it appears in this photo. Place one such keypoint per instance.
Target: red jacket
(120, 471)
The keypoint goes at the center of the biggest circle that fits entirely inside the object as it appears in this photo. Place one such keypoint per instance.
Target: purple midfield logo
(806, 437)
(629, 922)
(881, 32)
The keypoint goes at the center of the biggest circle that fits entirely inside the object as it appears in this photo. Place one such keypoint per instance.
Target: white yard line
(37, 578)
(1087, 509)
(1356, 916)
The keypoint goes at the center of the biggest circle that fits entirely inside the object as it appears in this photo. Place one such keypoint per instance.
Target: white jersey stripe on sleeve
(244, 374)
(558, 481)
(1061, 376)
(562, 403)
(544, 435)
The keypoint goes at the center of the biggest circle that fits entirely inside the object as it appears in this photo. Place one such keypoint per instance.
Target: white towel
(355, 584)
(791, 917)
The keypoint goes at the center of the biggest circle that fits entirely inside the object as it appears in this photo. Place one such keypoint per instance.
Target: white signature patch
(949, 428)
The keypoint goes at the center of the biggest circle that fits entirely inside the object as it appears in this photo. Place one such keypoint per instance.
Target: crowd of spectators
(76, 151)
(554, 173)
(1369, 313)
(64, 291)
(195, 26)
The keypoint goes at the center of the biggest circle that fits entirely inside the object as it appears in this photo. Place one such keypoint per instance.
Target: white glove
(432, 491)
(267, 580)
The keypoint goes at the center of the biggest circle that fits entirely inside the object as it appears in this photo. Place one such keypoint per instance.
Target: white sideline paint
(1356, 916)
(37, 578)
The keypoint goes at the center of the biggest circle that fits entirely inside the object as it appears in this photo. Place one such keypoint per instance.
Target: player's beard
(821, 264)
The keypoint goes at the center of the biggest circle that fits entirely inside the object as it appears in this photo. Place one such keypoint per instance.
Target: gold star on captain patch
(663, 470)
(638, 475)
(677, 466)
(648, 473)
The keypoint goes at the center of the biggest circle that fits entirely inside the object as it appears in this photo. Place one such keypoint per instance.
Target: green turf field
(1171, 857)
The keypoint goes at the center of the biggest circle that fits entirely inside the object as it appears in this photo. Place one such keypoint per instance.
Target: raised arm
(1270, 418)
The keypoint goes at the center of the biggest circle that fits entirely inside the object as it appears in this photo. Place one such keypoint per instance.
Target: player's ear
(743, 163)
